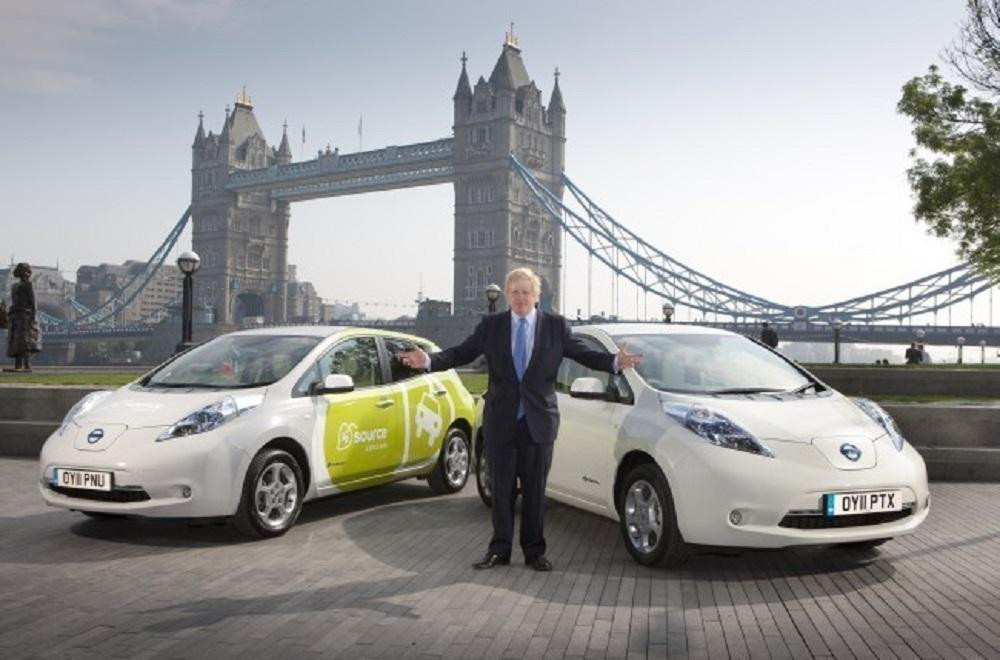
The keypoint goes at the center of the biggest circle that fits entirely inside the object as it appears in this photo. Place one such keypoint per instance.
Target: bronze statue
(24, 336)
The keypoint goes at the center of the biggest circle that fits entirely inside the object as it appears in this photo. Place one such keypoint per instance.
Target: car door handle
(385, 403)
(440, 392)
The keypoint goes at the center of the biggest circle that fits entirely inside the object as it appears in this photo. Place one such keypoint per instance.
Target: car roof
(326, 331)
(653, 329)
(296, 330)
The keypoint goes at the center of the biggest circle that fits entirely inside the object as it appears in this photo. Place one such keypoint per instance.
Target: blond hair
(520, 274)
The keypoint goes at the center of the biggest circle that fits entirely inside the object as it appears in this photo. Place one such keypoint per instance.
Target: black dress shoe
(490, 560)
(539, 563)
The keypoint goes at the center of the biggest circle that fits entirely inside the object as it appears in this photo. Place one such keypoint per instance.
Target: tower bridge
(242, 191)
(505, 160)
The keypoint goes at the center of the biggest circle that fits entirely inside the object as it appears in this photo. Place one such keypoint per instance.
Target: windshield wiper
(183, 385)
(803, 388)
(744, 390)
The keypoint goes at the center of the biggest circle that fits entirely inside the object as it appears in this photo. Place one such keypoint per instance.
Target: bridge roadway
(385, 573)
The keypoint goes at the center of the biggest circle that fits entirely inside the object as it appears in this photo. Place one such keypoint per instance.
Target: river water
(851, 353)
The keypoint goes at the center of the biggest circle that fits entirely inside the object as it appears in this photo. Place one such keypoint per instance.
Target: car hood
(140, 407)
(792, 419)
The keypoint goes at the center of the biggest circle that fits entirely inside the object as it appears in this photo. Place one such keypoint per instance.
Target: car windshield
(711, 364)
(233, 361)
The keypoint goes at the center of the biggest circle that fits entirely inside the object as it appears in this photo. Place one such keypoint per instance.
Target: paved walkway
(385, 574)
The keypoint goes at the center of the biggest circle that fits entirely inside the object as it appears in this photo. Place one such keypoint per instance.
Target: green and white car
(251, 424)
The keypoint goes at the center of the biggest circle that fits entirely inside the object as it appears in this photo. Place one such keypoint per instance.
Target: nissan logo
(850, 452)
(95, 436)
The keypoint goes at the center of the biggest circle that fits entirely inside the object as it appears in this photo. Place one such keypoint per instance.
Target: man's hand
(414, 358)
(628, 360)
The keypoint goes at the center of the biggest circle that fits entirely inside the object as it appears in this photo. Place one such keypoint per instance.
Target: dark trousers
(524, 460)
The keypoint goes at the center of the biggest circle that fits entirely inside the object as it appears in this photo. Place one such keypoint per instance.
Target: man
(914, 355)
(769, 336)
(523, 349)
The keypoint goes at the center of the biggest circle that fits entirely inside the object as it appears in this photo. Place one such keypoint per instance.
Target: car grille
(817, 520)
(115, 495)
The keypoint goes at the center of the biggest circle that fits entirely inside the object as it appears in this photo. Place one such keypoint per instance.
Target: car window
(233, 361)
(570, 370)
(398, 370)
(710, 363)
(356, 357)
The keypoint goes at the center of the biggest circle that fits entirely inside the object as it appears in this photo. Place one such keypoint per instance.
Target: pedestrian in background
(769, 336)
(925, 357)
(913, 354)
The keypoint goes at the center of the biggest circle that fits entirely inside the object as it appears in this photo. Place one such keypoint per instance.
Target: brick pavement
(386, 574)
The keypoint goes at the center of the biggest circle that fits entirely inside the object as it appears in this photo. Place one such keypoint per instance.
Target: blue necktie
(521, 355)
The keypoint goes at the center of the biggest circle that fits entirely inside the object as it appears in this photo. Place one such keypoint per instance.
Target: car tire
(648, 520)
(272, 495)
(483, 482)
(452, 469)
(863, 546)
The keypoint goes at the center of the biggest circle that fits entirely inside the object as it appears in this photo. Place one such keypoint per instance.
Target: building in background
(95, 285)
(341, 312)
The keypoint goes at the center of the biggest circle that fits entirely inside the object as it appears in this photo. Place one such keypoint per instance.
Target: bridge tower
(241, 237)
(498, 226)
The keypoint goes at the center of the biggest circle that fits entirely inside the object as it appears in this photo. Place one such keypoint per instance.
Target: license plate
(85, 479)
(852, 504)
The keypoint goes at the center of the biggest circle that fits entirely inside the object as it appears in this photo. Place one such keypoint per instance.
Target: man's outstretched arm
(575, 349)
(449, 358)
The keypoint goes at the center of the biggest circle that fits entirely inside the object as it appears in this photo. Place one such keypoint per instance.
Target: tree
(955, 173)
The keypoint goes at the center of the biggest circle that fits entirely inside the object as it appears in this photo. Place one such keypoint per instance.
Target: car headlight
(716, 428)
(883, 419)
(82, 407)
(212, 416)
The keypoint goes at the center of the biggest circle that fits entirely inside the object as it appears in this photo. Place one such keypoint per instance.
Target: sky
(756, 142)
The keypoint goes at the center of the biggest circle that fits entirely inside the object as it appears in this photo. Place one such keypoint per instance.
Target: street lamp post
(188, 263)
(668, 311)
(492, 295)
(982, 351)
(961, 342)
(836, 324)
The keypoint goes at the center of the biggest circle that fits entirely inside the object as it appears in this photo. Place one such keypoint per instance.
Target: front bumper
(188, 477)
(780, 499)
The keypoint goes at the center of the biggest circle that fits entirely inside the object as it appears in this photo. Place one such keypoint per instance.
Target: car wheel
(648, 521)
(483, 482)
(272, 495)
(452, 469)
(863, 545)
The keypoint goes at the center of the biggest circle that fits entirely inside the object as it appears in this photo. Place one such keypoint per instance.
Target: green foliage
(955, 175)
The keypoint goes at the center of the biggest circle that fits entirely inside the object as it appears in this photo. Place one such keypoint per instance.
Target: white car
(717, 440)
(251, 424)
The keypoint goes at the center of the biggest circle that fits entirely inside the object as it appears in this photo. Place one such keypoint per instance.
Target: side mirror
(334, 384)
(588, 387)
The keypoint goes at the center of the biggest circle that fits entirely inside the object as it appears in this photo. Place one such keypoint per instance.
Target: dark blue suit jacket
(553, 341)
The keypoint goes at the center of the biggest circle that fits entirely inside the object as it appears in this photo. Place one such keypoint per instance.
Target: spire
(199, 135)
(224, 135)
(463, 90)
(284, 151)
(509, 72)
(556, 100)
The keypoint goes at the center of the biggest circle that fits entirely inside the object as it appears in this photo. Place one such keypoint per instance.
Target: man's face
(521, 297)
